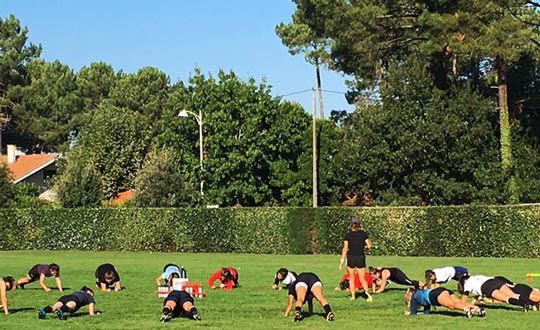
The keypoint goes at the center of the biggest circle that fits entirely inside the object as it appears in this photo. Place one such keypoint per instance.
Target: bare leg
(301, 292)
(317, 293)
(363, 282)
(352, 286)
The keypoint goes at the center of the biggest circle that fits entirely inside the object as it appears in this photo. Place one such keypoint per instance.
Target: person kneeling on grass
(227, 276)
(70, 303)
(38, 273)
(106, 275)
(168, 274)
(307, 286)
(7, 283)
(437, 297)
(179, 303)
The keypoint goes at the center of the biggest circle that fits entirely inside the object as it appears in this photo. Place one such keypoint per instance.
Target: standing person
(384, 274)
(284, 276)
(436, 276)
(106, 275)
(437, 297)
(491, 287)
(38, 273)
(7, 283)
(179, 303)
(227, 276)
(70, 303)
(307, 286)
(167, 275)
(354, 244)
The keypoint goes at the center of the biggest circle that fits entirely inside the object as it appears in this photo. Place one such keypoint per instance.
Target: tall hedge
(480, 231)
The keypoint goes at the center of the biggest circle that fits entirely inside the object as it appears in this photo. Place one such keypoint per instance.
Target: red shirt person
(344, 283)
(227, 276)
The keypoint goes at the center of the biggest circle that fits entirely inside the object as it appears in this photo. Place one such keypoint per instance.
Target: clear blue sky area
(176, 36)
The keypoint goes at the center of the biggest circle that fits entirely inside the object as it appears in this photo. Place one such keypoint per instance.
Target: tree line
(446, 112)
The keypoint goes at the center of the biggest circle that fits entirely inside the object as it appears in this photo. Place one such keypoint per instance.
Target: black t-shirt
(356, 241)
(102, 270)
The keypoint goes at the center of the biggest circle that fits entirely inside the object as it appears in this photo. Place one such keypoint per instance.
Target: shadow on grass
(449, 313)
(24, 309)
(503, 306)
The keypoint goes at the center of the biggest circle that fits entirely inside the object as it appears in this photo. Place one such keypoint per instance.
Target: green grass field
(252, 306)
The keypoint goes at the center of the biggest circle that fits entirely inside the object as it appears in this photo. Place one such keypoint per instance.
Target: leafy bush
(460, 231)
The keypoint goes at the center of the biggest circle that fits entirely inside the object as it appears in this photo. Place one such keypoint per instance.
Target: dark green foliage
(6, 187)
(161, 183)
(79, 185)
(467, 231)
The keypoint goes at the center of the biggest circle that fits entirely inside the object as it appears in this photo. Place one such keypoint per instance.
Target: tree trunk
(504, 123)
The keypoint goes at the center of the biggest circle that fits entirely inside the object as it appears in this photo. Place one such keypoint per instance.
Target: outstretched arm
(289, 304)
(382, 283)
(42, 282)
(91, 309)
(58, 283)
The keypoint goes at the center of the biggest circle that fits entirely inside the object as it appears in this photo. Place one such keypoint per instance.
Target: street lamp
(199, 118)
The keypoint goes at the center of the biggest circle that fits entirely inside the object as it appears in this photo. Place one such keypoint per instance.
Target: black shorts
(33, 273)
(491, 285)
(434, 295)
(179, 297)
(356, 261)
(70, 297)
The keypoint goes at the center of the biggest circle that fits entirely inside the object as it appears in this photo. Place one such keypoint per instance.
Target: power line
(294, 93)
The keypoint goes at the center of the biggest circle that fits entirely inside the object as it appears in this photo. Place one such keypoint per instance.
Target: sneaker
(297, 316)
(330, 316)
(196, 316)
(535, 307)
(165, 317)
(468, 312)
(41, 314)
(369, 298)
(21, 286)
(60, 314)
(480, 311)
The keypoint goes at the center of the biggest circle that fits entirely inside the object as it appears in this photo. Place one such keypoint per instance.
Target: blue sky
(176, 36)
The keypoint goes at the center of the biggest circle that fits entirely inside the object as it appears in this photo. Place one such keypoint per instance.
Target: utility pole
(314, 149)
(319, 88)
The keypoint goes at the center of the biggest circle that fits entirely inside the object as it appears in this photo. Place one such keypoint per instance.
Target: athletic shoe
(330, 316)
(41, 314)
(468, 312)
(297, 316)
(165, 317)
(60, 314)
(535, 307)
(369, 298)
(21, 285)
(480, 311)
(196, 317)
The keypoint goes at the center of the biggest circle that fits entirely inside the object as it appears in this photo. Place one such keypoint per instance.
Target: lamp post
(199, 118)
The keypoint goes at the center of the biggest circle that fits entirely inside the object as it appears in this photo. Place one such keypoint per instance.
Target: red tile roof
(26, 165)
(122, 197)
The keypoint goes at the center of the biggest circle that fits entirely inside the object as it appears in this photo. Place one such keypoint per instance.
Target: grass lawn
(252, 306)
